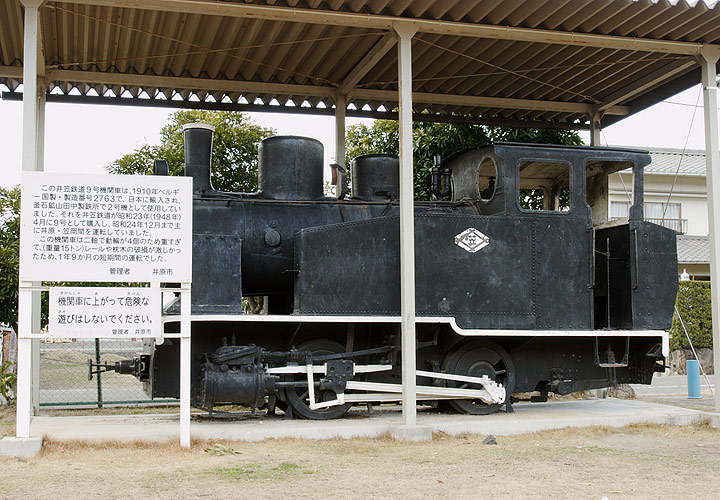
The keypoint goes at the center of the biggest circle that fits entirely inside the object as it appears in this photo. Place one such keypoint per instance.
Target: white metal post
(30, 85)
(29, 163)
(24, 364)
(407, 225)
(712, 159)
(35, 353)
(40, 126)
(37, 296)
(185, 326)
(340, 104)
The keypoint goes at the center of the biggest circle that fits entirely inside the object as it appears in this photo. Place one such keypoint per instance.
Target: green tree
(234, 154)
(9, 254)
(10, 261)
(693, 304)
(444, 139)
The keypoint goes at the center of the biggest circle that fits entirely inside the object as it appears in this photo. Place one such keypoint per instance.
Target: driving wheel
(299, 397)
(475, 359)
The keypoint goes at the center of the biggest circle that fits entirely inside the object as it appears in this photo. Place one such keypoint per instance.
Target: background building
(675, 197)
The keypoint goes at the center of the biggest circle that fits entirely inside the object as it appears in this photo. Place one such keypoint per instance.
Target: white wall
(689, 191)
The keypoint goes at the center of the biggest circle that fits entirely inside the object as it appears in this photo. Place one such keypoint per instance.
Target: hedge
(693, 303)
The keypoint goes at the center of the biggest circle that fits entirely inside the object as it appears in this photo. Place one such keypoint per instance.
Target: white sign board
(114, 228)
(88, 312)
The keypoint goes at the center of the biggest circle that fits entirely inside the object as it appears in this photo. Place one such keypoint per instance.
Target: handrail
(677, 225)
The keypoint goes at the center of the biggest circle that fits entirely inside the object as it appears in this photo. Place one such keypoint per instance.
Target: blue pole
(693, 378)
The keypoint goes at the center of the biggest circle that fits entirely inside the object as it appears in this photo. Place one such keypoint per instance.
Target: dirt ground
(632, 462)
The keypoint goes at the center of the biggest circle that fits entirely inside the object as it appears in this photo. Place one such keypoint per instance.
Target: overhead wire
(509, 71)
(662, 58)
(202, 49)
(622, 181)
(682, 155)
(228, 51)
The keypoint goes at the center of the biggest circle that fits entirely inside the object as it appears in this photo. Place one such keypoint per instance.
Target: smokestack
(198, 152)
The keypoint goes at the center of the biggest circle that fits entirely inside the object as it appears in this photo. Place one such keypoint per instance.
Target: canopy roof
(546, 62)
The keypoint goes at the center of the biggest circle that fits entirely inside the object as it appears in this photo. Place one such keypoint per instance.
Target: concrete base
(528, 417)
(20, 447)
(411, 433)
(714, 420)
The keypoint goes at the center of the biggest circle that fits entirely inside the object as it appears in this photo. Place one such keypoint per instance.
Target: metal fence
(64, 374)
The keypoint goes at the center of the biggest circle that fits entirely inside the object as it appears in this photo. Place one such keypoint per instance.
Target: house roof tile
(693, 249)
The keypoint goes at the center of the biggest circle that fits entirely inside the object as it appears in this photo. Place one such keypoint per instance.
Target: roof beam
(152, 81)
(317, 16)
(647, 81)
(11, 72)
(368, 62)
(487, 102)
(262, 108)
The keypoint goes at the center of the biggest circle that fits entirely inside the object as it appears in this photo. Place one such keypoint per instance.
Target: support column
(407, 226)
(24, 363)
(712, 158)
(40, 125)
(595, 128)
(37, 296)
(30, 162)
(340, 106)
(185, 332)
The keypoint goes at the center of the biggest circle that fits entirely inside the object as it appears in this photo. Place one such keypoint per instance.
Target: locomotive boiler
(523, 284)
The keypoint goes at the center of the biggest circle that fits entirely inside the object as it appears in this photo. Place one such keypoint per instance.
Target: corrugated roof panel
(541, 17)
(624, 23)
(150, 42)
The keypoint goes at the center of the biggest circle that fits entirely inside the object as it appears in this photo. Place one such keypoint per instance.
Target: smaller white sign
(86, 312)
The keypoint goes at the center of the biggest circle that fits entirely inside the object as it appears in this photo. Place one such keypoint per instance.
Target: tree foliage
(234, 153)
(9, 254)
(444, 139)
(693, 303)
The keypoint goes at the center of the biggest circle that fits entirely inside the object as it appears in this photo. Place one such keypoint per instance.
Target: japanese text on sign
(105, 228)
(85, 312)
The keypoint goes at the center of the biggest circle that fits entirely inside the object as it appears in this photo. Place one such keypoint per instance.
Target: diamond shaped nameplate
(472, 240)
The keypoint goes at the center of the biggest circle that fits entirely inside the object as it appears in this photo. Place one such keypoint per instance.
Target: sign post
(104, 228)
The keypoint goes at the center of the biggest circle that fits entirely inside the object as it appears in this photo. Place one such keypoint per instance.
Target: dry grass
(638, 461)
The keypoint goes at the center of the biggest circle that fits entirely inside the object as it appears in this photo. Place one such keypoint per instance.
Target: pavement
(527, 418)
(673, 390)
(673, 385)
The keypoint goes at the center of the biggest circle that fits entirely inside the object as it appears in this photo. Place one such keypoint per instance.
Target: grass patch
(261, 472)
(7, 420)
(59, 375)
(156, 409)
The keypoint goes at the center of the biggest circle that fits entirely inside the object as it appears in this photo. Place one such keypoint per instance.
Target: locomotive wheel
(477, 358)
(298, 397)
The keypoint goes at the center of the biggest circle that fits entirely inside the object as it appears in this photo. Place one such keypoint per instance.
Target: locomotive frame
(566, 300)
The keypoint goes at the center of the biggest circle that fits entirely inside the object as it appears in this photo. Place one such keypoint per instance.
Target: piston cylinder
(375, 177)
(244, 384)
(290, 168)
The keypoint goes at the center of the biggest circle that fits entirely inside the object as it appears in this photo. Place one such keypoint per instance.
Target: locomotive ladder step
(611, 362)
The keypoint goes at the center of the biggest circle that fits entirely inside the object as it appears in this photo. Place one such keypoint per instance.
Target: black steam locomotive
(523, 284)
